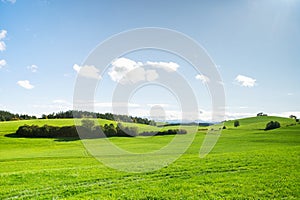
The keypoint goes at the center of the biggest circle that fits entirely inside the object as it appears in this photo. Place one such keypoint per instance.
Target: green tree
(272, 125)
(87, 123)
(236, 123)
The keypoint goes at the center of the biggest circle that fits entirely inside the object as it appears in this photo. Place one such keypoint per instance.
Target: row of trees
(89, 130)
(47, 131)
(118, 131)
(7, 116)
(108, 116)
(166, 132)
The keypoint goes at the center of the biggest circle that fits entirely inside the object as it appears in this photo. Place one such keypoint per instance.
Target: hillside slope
(259, 122)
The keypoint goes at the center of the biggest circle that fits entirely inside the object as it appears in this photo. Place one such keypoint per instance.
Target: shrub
(87, 123)
(109, 130)
(126, 131)
(272, 125)
(236, 123)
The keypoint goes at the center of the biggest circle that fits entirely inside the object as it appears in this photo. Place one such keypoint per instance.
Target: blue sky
(255, 45)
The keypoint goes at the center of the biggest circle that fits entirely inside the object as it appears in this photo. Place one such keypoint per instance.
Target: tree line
(108, 116)
(7, 116)
(89, 130)
(166, 132)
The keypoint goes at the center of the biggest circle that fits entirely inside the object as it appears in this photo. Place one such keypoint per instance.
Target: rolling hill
(246, 163)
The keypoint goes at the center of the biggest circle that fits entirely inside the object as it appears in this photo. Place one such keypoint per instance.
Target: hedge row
(110, 130)
(47, 131)
(167, 132)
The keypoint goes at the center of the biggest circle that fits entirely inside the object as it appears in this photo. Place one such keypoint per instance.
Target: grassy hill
(259, 122)
(246, 163)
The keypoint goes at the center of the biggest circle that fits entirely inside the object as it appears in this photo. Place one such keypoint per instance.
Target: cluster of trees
(261, 114)
(118, 131)
(108, 116)
(7, 116)
(272, 125)
(47, 131)
(89, 129)
(166, 132)
(294, 117)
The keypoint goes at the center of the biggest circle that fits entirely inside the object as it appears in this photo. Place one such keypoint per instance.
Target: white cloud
(124, 70)
(9, 1)
(33, 68)
(245, 81)
(115, 104)
(168, 66)
(25, 84)
(290, 94)
(121, 67)
(2, 63)
(61, 101)
(202, 78)
(87, 71)
(76, 68)
(163, 105)
(134, 76)
(286, 114)
(2, 46)
(238, 115)
(54, 106)
(3, 34)
(151, 75)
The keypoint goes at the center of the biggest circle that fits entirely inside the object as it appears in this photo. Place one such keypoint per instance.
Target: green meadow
(246, 163)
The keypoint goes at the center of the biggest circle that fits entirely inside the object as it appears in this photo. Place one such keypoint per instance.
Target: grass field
(246, 163)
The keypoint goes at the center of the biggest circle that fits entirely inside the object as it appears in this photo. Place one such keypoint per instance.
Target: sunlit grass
(246, 163)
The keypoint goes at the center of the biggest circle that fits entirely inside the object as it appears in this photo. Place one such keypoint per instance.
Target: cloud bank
(124, 70)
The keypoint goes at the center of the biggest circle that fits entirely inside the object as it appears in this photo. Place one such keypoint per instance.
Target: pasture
(246, 163)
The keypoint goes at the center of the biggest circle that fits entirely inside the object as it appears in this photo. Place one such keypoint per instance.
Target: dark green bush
(272, 125)
(167, 132)
(47, 131)
(236, 123)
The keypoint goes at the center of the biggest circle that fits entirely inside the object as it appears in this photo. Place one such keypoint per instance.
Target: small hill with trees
(259, 122)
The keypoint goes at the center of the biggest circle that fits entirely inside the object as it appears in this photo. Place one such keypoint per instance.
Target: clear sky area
(255, 46)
